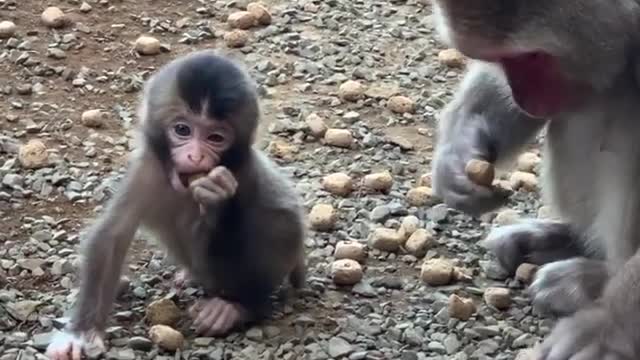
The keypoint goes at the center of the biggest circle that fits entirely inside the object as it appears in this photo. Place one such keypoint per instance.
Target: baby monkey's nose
(197, 159)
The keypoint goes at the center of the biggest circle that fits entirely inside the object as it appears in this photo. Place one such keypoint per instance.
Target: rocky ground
(350, 92)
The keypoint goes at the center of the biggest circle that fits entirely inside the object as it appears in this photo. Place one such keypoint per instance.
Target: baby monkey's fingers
(216, 317)
(214, 188)
(225, 179)
(210, 195)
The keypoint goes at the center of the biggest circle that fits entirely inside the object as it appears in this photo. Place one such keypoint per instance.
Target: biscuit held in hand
(195, 177)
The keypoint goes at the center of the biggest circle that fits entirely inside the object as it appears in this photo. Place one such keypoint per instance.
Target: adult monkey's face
(554, 53)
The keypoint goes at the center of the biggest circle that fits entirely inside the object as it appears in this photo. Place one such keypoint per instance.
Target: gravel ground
(372, 72)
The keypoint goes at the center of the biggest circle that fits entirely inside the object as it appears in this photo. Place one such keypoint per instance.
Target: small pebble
(93, 118)
(380, 213)
(528, 162)
(339, 184)
(282, 150)
(148, 45)
(523, 180)
(53, 17)
(316, 124)
(236, 38)
(351, 90)
(420, 196)
(339, 347)
(163, 312)
(339, 138)
(140, 343)
(346, 272)
(425, 180)
(255, 334)
(460, 308)
(166, 337)
(33, 154)
(437, 272)
(401, 141)
(480, 172)
(526, 272)
(401, 104)
(451, 58)
(409, 225)
(498, 297)
(7, 29)
(260, 13)
(382, 181)
(241, 20)
(386, 239)
(419, 243)
(311, 7)
(350, 250)
(323, 217)
(85, 7)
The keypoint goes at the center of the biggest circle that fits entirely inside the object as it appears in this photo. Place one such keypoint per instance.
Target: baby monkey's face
(197, 146)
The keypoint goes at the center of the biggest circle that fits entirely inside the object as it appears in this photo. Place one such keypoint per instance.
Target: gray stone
(493, 270)
(255, 334)
(380, 213)
(364, 289)
(140, 343)
(438, 213)
(42, 340)
(339, 347)
(451, 344)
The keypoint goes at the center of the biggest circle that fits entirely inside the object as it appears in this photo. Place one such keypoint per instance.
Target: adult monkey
(238, 228)
(569, 66)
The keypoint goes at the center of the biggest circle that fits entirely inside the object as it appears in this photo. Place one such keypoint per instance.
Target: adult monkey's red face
(551, 58)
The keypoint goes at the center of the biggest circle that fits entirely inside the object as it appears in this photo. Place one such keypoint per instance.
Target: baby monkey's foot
(182, 279)
(216, 316)
(68, 346)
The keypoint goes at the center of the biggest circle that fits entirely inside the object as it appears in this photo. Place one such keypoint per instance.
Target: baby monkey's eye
(182, 130)
(216, 138)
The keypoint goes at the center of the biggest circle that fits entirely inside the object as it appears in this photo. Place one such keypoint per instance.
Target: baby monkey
(220, 207)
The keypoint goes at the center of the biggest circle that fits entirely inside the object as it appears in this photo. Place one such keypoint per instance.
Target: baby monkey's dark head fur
(200, 111)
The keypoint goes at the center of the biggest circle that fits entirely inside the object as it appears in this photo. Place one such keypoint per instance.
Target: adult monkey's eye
(182, 129)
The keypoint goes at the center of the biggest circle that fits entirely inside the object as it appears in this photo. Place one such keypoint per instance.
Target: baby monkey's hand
(213, 188)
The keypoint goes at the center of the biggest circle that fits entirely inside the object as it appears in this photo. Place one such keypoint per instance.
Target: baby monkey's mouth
(188, 178)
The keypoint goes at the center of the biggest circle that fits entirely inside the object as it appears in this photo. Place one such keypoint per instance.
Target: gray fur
(533, 241)
(565, 286)
(263, 230)
(591, 159)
